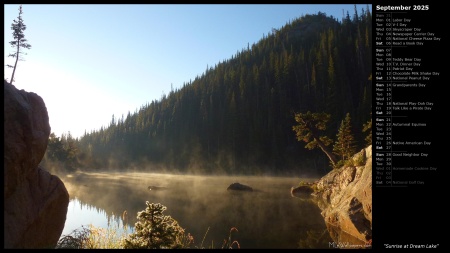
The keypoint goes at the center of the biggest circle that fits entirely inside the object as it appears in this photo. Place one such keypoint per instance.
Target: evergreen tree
(71, 153)
(61, 153)
(18, 27)
(345, 145)
(368, 128)
(293, 70)
(309, 128)
(154, 230)
(55, 149)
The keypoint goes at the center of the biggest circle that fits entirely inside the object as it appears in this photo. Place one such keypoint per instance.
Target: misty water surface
(266, 218)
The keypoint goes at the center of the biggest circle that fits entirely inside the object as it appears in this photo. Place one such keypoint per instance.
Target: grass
(228, 244)
(112, 237)
(92, 237)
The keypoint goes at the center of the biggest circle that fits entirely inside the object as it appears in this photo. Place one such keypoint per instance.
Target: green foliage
(18, 27)
(92, 237)
(360, 160)
(238, 114)
(367, 127)
(345, 146)
(302, 183)
(55, 148)
(61, 153)
(339, 164)
(310, 127)
(154, 230)
(78, 239)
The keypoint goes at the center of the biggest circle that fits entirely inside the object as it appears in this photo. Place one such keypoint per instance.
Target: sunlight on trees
(367, 127)
(310, 129)
(345, 145)
(153, 230)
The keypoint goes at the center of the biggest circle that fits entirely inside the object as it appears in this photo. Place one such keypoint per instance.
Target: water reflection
(266, 218)
(80, 214)
(313, 239)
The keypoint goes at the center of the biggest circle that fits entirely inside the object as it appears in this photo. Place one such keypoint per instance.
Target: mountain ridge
(237, 117)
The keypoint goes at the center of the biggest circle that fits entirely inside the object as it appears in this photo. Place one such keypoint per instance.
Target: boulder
(35, 202)
(239, 187)
(345, 197)
(302, 191)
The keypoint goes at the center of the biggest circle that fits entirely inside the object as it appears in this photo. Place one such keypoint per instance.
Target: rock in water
(35, 202)
(239, 187)
(302, 191)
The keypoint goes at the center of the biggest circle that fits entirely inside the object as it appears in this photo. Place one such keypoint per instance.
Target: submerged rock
(239, 187)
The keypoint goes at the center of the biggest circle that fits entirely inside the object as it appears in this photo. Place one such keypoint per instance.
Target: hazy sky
(89, 62)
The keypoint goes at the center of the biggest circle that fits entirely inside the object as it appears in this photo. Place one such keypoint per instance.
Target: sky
(89, 62)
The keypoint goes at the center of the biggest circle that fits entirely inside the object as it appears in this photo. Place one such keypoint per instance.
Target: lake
(268, 217)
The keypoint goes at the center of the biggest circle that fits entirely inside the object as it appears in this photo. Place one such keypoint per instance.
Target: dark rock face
(35, 202)
(239, 187)
(345, 198)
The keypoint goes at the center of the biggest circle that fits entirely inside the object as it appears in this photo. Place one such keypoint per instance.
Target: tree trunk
(15, 64)
(326, 151)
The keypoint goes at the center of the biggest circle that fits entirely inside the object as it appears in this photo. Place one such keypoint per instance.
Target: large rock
(239, 187)
(345, 196)
(302, 191)
(35, 202)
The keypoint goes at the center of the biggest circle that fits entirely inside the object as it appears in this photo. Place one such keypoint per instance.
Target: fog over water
(268, 217)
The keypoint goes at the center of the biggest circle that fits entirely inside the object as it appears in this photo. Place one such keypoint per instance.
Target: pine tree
(309, 129)
(255, 126)
(154, 230)
(18, 26)
(345, 145)
(368, 128)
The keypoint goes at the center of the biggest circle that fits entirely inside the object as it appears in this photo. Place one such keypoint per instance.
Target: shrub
(92, 237)
(154, 230)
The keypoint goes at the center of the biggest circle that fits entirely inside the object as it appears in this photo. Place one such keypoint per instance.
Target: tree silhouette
(367, 127)
(18, 27)
(345, 145)
(238, 115)
(309, 128)
(154, 230)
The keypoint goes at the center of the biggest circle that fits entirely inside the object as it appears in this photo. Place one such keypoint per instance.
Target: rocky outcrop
(345, 197)
(35, 202)
(239, 187)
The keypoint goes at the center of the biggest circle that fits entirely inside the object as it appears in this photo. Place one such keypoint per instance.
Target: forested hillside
(237, 117)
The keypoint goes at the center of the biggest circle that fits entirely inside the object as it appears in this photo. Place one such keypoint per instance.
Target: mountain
(237, 117)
